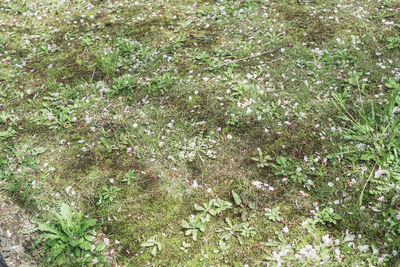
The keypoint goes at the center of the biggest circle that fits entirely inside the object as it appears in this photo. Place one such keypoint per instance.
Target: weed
(207, 209)
(224, 248)
(107, 62)
(326, 215)
(154, 244)
(393, 42)
(161, 84)
(129, 177)
(108, 195)
(374, 134)
(262, 160)
(222, 205)
(193, 226)
(242, 229)
(185, 247)
(273, 214)
(291, 171)
(124, 86)
(70, 239)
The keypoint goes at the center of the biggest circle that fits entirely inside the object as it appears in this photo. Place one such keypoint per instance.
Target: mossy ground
(216, 82)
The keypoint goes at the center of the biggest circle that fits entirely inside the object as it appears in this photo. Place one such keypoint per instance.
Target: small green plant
(57, 112)
(107, 62)
(262, 160)
(197, 147)
(237, 230)
(129, 176)
(275, 36)
(206, 210)
(391, 218)
(376, 128)
(6, 134)
(87, 40)
(393, 42)
(222, 205)
(273, 214)
(133, 51)
(154, 244)
(185, 247)
(193, 226)
(108, 195)
(223, 247)
(326, 215)
(373, 132)
(247, 230)
(291, 171)
(212, 208)
(7, 119)
(70, 239)
(233, 120)
(236, 198)
(124, 86)
(202, 56)
(244, 89)
(160, 84)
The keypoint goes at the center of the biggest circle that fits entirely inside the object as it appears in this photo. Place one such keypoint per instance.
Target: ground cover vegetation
(199, 133)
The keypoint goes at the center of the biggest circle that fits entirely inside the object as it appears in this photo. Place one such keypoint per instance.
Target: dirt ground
(14, 234)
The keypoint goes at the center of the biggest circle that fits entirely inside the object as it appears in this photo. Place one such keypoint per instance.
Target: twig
(276, 59)
(365, 185)
(242, 59)
(94, 70)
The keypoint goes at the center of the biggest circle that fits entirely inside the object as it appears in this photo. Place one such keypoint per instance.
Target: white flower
(309, 251)
(349, 237)
(68, 190)
(257, 184)
(285, 229)
(326, 239)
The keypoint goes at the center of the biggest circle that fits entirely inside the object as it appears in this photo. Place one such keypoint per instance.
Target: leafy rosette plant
(69, 239)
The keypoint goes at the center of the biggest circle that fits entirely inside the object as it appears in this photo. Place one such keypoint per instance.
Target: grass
(153, 107)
